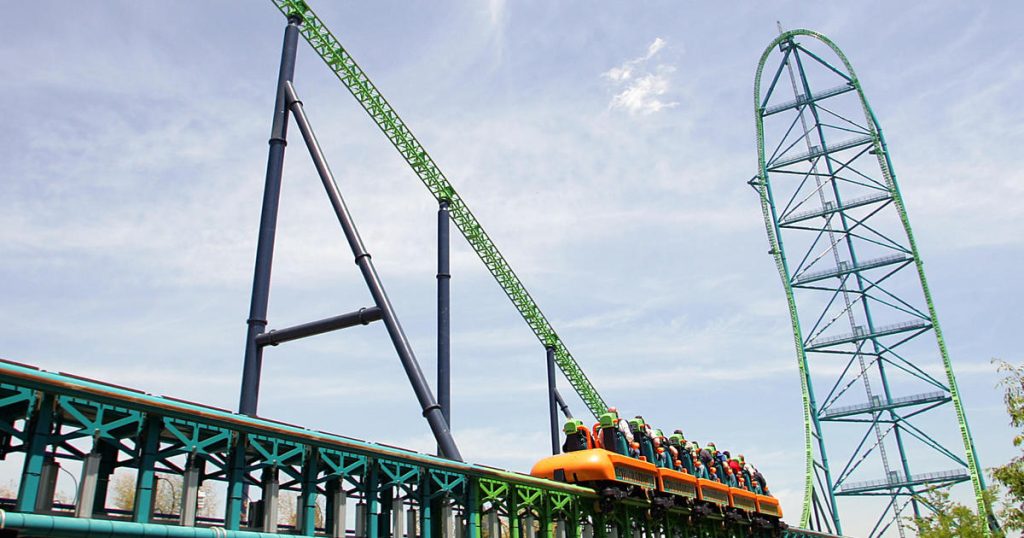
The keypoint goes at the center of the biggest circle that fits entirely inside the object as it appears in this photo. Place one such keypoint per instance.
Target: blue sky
(135, 145)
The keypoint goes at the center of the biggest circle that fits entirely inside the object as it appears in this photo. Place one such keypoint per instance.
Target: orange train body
(600, 466)
(677, 483)
(597, 465)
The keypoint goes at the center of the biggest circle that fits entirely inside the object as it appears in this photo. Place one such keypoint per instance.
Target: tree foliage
(1011, 475)
(948, 519)
(168, 494)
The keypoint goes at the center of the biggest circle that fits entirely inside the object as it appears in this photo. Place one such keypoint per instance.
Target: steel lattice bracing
(57, 428)
(384, 115)
(879, 395)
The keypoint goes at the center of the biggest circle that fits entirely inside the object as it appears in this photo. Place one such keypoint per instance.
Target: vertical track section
(842, 243)
(329, 48)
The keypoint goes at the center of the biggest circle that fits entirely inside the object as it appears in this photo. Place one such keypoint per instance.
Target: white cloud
(645, 88)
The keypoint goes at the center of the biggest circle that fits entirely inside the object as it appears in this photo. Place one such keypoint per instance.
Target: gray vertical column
(47, 486)
(270, 495)
(190, 483)
(444, 386)
(87, 484)
(337, 504)
(552, 404)
(257, 322)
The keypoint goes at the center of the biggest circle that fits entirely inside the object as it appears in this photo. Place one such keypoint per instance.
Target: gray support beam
(47, 486)
(270, 496)
(493, 523)
(257, 322)
(363, 316)
(397, 518)
(87, 484)
(190, 492)
(411, 520)
(361, 514)
(338, 502)
(431, 410)
(444, 348)
(448, 520)
(552, 405)
(562, 405)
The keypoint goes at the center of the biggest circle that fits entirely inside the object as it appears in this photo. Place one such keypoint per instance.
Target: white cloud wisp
(643, 88)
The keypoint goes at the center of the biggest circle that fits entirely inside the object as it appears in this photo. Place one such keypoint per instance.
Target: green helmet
(571, 426)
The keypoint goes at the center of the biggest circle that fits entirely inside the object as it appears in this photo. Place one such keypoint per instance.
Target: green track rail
(384, 115)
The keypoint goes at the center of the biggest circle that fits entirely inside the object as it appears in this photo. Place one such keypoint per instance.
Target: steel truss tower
(883, 417)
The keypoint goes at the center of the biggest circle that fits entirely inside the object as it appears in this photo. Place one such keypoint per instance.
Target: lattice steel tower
(879, 395)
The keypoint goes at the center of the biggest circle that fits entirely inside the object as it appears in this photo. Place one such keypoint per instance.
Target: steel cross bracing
(55, 428)
(383, 114)
(858, 298)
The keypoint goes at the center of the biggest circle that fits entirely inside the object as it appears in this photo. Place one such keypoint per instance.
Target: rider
(680, 453)
(577, 436)
(614, 434)
(643, 434)
(699, 470)
(730, 478)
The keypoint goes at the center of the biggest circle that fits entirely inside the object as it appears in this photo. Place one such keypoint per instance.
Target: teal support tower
(883, 417)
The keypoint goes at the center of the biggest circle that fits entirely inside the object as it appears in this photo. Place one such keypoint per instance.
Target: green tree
(1011, 475)
(947, 519)
(950, 518)
(168, 494)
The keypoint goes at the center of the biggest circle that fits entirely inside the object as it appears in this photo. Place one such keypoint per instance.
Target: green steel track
(775, 218)
(329, 48)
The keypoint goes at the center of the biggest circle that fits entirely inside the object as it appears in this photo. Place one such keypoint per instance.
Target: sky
(605, 149)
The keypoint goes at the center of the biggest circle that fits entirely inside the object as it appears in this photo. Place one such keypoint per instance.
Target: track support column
(552, 400)
(444, 277)
(257, 322)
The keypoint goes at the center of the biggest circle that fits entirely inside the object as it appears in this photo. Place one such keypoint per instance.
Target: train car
(742, 503)
(769, 506)
(612, 475)
(675, 489)
(769, 513)
(715, 496)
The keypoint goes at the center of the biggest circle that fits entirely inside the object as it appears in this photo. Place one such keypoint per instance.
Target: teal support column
(372, 501)
(39, 431)
(513, 512)
(307, 499)
(472, 508)
(145, 480)
(384, 519)
(236, 486)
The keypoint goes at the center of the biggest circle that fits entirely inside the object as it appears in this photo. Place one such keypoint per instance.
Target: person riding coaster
(577, 436)
(613, 433)
(643, 437)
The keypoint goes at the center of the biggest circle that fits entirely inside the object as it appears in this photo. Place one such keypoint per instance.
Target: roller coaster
(348, 487)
